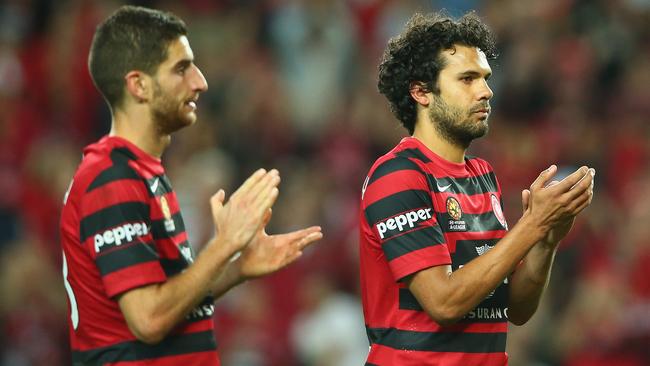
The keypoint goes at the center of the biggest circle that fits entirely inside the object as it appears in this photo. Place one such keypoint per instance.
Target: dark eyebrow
(474, 74)
(183, 64)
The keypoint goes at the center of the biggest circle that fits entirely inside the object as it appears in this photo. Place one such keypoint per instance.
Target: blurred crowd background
(293, 87)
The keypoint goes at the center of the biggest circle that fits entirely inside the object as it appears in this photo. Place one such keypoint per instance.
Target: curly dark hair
(415, 55)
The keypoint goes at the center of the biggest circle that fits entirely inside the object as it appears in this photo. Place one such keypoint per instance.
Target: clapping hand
(562, 227)
(268, 253)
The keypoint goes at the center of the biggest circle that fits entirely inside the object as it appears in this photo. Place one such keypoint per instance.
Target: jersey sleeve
(116, 230)
(399, 211)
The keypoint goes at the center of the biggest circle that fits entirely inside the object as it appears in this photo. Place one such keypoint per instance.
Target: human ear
(419, 92)
(138, 86)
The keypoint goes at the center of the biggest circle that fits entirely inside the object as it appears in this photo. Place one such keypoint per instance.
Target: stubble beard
(455, 124)
(165, 111)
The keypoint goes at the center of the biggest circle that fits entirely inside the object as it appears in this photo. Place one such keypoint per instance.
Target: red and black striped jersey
(419, 211)
(121, 228)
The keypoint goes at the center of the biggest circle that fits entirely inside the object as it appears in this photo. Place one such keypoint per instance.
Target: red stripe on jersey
(199, 326)
(167, 247)
(113, 193)
(417, 260)
(404, 179)
(132, 277)
(385, 356)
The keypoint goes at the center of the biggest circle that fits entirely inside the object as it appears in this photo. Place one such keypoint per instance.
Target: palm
(268, 253)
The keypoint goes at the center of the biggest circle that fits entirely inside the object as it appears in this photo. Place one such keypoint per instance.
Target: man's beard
(166, 113)
(455, 124)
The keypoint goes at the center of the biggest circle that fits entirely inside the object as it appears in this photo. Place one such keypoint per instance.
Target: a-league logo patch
(169, 221)
(455, 213)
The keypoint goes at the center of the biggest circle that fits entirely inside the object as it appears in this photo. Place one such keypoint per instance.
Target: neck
(136, 126)
(427, 134)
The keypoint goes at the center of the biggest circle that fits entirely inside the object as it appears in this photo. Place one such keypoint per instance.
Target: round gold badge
(453, 208)
(165, 208)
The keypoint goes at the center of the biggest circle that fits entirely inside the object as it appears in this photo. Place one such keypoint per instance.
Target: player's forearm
(466, 287)
(474, 281)
(228, 279)
(152, 311)
(528, 282)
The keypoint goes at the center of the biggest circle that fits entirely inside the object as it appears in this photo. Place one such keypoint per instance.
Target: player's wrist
(221, 250)
(533, 228)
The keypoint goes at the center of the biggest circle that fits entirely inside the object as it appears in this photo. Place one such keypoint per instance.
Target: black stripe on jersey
(136, 351)
(202, 311)
(118, 171)
(397, 203)
(126, 256)
(438, 342)
(159, 185)
(173, 267)
(415, 154)
(468, 185)
(369, 364)
(112, 216)
(474, 222)
(407, 300)
(158, 227)
(391, 166)
(417, 239)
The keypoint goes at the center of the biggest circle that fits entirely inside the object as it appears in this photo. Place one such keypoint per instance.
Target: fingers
(581, 202)
(258, 192)
(216, 201)
(267, 217)
(584, 205)
(525, 199)
(567, 183)
(543, 178)
(314, 235)
(302, 238)
(553, 182)
(584, 185)
(250, 182)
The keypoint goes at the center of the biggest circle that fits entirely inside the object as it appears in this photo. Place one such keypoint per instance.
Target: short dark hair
(132, 38)
(415, 55)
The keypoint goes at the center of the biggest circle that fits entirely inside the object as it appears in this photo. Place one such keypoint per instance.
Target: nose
(485, 93)
(198, 82)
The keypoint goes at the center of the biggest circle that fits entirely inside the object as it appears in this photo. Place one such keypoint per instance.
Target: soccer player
(138, 295)
(441, 275)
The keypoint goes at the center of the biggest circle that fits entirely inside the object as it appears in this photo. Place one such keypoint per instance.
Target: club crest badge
(167, 214)
(498, 212)
(455, 213)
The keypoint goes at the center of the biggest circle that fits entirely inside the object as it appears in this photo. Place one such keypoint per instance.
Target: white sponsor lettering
(488, 313)
(121, 234)
(408, 219)
(201, 311)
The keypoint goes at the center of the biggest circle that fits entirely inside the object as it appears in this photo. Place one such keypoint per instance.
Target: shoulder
(106, 167)
(393, 163)
(479, 166)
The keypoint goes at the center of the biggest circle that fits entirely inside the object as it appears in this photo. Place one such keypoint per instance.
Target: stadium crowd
(293, 87)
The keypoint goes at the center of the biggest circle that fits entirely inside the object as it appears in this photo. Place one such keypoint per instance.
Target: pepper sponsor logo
(121, 234)
(405, 220)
